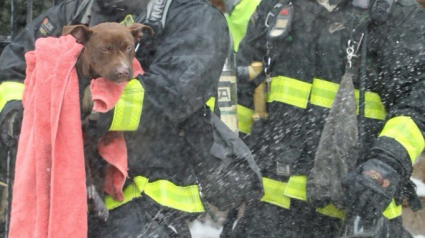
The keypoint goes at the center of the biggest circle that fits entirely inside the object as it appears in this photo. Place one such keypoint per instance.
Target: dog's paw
(100, 209)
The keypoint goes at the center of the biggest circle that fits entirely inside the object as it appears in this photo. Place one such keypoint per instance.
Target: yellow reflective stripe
(244, 119)
(297, 187)
(280, 194)
(290, 91)
(274, 193)
(331, 211)
(128, 110)
(10, 91)
(374, 108)
(183, 198)
(324, 92)
(128, 20)
(393, 210)
(405, 131)
(211, 103)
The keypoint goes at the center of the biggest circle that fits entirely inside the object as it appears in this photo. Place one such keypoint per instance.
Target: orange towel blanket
(49, 194)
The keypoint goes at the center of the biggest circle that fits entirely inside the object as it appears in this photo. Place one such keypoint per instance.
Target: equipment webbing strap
(405, 131)
(183, 198)
(128, 110)
(10, 91)
(279, 193)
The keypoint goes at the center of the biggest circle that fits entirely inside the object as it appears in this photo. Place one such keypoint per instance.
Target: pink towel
(49, 193)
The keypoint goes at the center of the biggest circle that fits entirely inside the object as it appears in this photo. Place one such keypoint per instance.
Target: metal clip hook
(351, 53)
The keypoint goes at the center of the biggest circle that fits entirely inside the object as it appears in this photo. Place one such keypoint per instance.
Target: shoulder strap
(158, 10)
(82, 13)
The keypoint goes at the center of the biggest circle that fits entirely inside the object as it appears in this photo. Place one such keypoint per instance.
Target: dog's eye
(129, 48)
(104, 50)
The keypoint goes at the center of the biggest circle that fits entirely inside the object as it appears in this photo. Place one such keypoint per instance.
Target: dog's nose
(122, 72)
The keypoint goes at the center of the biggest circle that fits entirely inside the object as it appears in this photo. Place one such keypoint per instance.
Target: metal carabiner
(350, 53)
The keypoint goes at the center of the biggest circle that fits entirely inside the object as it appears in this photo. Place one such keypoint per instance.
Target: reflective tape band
(128, 20)
(374, 108)
(183, 198)
(290, 91)
(128, 110)
(10, 91)
(331, 211)
(324, 92)
(405, 131)
(297, 187)
(244, 119)
(274, 193)
(393, 210)
(211, 103)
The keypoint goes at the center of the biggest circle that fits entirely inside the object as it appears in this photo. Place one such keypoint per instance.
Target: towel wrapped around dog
(49, 193)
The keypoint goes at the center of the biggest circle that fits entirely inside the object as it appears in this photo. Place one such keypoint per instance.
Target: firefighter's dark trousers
(301, 221)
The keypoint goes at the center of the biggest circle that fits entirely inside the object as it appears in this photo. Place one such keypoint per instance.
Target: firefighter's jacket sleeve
(12, 61)
(402, 56)
(50, 23)
(187, 64)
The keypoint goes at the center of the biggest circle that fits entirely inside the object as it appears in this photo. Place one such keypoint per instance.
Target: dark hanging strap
(412, 197)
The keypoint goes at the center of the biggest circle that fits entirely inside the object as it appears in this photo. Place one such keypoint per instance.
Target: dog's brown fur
(108, 52)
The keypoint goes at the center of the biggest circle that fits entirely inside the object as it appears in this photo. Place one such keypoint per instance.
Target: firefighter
(303, 59)
(182, 66)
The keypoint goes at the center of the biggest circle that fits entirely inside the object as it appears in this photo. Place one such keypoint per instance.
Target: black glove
(10, 123)
(370, 188)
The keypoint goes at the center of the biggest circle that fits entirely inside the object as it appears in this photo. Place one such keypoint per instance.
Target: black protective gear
(182, 68)
(112, 6)
(370, 188)
(315, 55)
(10, 123)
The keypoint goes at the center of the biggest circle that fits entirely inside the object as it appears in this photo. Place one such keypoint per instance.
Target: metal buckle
(283, 169)
(267, 19)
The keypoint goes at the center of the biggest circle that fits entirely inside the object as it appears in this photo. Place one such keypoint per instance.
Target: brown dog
(109, 50)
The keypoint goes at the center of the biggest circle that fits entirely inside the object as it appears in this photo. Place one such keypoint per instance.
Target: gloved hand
(370, 188)
(10, 123)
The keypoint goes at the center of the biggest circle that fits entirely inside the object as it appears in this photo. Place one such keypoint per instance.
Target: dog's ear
(138, 29)
(80, 32)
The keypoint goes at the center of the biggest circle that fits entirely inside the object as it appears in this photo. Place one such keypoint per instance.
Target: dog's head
(108, 48)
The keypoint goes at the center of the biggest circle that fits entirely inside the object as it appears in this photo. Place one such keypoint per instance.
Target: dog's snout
(122, 72)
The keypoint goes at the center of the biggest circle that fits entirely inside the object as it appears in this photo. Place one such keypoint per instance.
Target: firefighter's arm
(50, 23)
(376, 182)
(12, 65)
(401, 140)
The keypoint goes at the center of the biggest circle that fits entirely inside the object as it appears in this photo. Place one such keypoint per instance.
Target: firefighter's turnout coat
(182, 67)
(306, 69)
